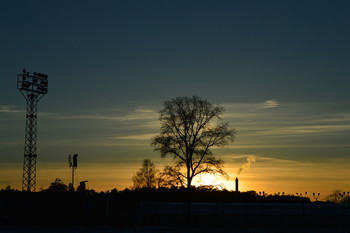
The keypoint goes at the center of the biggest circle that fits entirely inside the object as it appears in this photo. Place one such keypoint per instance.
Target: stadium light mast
(33, 87)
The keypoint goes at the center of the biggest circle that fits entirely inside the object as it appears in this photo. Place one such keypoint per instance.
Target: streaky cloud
(272, 103)
(10, 109)
(136, 137)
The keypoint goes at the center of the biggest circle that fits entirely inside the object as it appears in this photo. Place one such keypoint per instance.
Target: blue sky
(280, 69)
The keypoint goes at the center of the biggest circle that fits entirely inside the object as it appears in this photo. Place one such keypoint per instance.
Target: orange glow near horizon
(206, 179)
(267, 174)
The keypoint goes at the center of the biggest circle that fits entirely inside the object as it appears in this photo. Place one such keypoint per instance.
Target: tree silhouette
(57, 186)
(338, 196)
(172, 177)
(147, 177)
(190, 127)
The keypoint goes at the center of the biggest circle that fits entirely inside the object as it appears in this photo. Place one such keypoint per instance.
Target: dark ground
(164, 211)
(110, 229)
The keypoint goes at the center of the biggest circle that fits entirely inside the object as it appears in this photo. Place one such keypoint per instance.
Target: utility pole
(33, 87)
(73, 163)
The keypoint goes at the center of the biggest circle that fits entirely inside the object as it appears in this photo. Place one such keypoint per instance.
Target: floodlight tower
(33, 87)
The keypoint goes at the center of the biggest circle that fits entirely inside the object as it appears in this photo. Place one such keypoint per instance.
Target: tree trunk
(189, 200)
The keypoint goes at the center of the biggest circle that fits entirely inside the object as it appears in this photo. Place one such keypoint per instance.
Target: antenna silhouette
(33, 88)
(73, 163)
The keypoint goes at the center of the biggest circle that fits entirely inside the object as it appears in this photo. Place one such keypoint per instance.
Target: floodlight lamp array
(33, 83)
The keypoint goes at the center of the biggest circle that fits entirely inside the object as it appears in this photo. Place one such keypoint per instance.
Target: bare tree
(147, 176)
(190, 127)
(338, 196)
(172, 177)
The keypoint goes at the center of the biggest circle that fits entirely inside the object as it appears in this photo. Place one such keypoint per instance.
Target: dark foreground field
(197, 224)
(112, 229)
(135, 212)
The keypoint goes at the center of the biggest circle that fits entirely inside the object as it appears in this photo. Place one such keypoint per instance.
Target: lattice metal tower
(73, 163)
(33, 87)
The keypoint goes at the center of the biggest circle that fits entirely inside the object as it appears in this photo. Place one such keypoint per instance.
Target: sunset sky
(279, 68)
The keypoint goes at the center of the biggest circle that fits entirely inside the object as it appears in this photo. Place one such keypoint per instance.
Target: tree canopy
(190, 128)
(147, 176)
(57, 186)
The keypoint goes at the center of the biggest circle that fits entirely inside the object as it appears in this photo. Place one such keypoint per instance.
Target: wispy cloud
(141, 137)
(286, 146)
(298, 124)
(272, 103)
(138, 114)
(10, 109)
(303, 131)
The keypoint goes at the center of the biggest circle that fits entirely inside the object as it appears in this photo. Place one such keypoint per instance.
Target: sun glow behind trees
(292, 143)
(190, 128)
(268, 174)
(285, 88)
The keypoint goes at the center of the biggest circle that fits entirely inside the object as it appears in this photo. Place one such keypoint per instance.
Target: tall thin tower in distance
(33, 87)
(73, 163)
